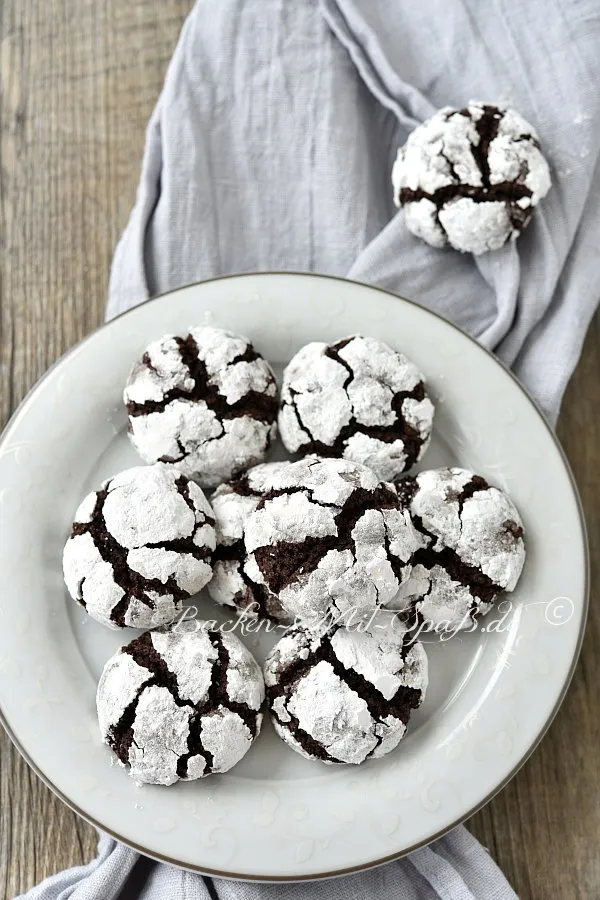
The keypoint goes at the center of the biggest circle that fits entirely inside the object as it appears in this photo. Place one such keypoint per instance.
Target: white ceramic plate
(276, 815)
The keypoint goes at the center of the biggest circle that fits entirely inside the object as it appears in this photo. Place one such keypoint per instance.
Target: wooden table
(78, 79)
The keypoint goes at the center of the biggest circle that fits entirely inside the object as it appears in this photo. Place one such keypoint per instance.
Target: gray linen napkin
(272, 144)
(271, 147)
(456, 867)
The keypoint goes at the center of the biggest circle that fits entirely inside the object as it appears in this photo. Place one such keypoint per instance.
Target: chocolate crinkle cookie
(232, 503)
(140, 546)
(358, 399)
(180, 705)
(206, 403)
(326, 538)
(470, 177)
(471, 546)
(346, 695)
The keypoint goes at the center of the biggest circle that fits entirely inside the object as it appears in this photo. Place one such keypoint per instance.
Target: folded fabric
(456, 867)
(272, 144)
(271, 147)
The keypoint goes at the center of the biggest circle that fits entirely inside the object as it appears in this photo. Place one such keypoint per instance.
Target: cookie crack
(145, 655)
(287, 679)
(479, 584)
(241, 486)
(143, 652)
(131, 582)
(284, 562)
(181, 545)
(451, 166)
(394, 560)
(487, 128)
(505, 192)
(400, 706)
(304, 428)
(333, 352)
(80, 599)
(310, 746)
(309, 492)
(255, 404)
(183, 487)
(477, 483)
(400, 430)
(406, 489)
(195, 748)
(218, 695)
(471, 577)
(268, 604)
(249, 355)
(147, 362)
(120, 736)
(170, 459)
(528, 139)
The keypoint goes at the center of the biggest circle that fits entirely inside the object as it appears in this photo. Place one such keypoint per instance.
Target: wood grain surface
(78, 79)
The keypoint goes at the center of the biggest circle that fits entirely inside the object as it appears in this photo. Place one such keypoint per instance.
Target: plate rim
(5, 435)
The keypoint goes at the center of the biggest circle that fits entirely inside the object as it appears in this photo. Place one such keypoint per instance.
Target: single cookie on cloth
(205, 403)
(358, 399)
(346, 695)
(139, 546)
(232, 504)
(180, 705)
(326, 538)
(472, 546)
(470, 177)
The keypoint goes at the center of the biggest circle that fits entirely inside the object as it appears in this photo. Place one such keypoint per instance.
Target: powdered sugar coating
(470, 177)
(346, 695)
(205, 403)
(359, 399)
(232, 503)
(327, 537)
(139, 546)
(180, 705)
(471, 546)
